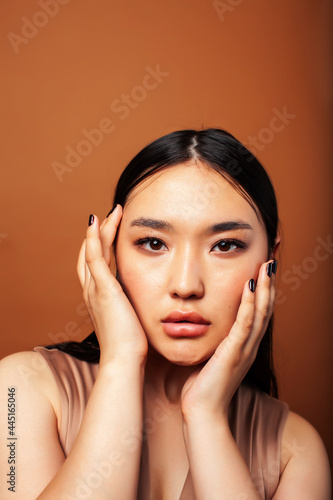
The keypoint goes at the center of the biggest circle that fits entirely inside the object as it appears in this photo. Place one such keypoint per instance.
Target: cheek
(226, 292)
(139, 283)
(137, 275)
(226, 298)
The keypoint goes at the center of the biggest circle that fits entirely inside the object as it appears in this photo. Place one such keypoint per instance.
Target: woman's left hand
(209, 390)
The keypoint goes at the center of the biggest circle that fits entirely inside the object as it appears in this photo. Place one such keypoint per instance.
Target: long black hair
(225, 154)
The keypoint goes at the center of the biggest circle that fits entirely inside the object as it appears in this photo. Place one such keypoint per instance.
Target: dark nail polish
(91, 219)
(252, 285)
(275, 263)
(112, 209)
(269, 269)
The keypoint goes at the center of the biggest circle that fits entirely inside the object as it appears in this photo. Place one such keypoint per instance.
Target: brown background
(230, 65)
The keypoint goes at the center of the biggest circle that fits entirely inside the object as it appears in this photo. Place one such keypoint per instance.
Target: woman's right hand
(118, 329)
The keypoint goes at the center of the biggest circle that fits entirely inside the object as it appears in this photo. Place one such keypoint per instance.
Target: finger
(265, 293)
(108, 232)
(81, 263)
(82, 268)
(264, 301)
(84, 276)
(88, 283)
(273, 287)
(242, 327)
(94, 256)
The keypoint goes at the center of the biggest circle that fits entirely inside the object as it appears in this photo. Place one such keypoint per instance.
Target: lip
(185, 324)
(191, 316)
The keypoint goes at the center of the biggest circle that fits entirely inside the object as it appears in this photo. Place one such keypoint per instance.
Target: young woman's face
(170, 257)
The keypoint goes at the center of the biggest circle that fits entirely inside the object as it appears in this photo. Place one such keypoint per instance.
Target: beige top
(256, 419)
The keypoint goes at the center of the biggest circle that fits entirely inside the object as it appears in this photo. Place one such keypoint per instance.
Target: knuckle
(247, 323)
(263, 312)
(114, 286)
(104, 292)
(90, 257)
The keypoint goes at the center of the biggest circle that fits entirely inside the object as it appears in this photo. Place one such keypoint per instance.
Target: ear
(276, 248)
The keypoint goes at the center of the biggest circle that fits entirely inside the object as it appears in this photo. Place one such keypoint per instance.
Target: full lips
(184, 329)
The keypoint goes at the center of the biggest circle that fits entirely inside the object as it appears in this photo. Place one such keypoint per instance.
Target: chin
(184, 356)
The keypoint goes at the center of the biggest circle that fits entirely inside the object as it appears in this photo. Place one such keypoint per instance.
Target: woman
(179, 404)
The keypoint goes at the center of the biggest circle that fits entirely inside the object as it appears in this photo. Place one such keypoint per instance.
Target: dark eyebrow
(215, 228)
(228, 226)
(153, 223)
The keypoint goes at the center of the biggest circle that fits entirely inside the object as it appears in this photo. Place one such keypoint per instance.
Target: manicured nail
(112, 209)
(269, 269)
(274, 267)
(91, 219)
(252, 285)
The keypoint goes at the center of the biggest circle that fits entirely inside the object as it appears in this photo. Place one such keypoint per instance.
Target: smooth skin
(181, 387)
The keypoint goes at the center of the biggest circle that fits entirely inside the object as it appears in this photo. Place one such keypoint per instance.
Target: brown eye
(155, 244)
(228, 246)
(150, 243)
(224, 245)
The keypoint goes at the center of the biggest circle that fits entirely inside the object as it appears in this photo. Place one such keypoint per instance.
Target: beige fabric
(75, 380)
(256, 419)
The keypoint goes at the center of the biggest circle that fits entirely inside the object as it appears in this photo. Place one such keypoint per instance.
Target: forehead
(189, 192)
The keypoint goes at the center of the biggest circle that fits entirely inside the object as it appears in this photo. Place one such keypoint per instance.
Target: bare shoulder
(15, 361)
(305, 464)
(25, 367)
(28, 370)
(300, 438)
(29, 437)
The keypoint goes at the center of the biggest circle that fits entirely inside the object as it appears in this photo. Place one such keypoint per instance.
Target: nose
(186, 275)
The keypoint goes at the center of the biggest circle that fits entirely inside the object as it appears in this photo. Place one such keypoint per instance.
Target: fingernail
(112, 209)
(274, 267)
(269, 269)
(91, 219)
(252, 285)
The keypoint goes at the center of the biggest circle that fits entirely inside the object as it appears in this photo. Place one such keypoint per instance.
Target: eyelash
(239, 244)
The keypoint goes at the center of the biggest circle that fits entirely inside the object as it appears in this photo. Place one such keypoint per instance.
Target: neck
(165, 379)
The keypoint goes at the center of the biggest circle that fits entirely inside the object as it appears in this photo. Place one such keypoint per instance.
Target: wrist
(215, 428)
(122, 367)
(205, 418)
(109, 357)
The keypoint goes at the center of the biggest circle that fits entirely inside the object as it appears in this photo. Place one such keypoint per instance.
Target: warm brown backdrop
(233, 64)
